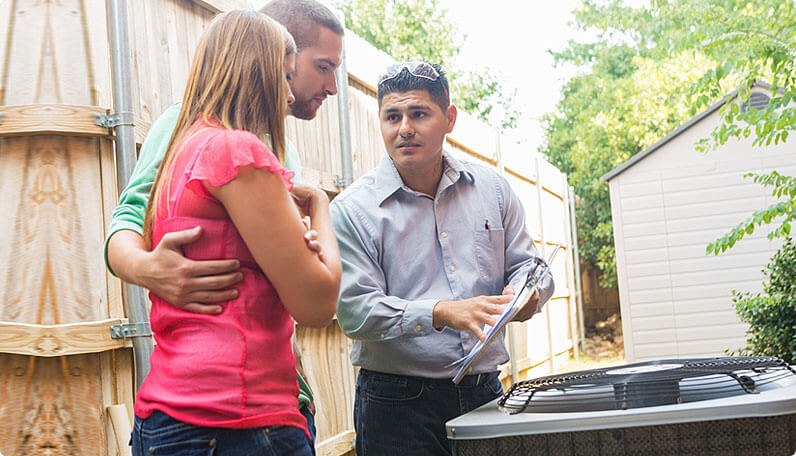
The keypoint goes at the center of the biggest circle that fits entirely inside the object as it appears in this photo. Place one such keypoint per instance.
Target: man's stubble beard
(303, 110)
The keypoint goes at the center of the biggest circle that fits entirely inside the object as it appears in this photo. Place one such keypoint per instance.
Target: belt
(467, 381)
(477, 379)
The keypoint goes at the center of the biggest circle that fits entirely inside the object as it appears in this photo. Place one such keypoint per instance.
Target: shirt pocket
(489, 253)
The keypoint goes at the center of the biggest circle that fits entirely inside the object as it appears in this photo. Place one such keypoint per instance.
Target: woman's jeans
(161, 434)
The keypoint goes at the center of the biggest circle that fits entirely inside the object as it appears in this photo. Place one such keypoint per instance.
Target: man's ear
(451, 115)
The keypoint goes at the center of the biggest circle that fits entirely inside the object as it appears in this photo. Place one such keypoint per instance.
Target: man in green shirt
(197, 286)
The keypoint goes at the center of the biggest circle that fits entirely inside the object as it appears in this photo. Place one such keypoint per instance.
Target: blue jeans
(404, 416)
(310, 425)
(161, 434)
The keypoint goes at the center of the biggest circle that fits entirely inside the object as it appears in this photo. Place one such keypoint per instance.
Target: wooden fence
(61, 375)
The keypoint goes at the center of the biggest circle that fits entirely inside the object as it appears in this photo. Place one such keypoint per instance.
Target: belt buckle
(474, 379)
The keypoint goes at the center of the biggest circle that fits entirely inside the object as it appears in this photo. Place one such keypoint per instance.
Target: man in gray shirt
(432, 250)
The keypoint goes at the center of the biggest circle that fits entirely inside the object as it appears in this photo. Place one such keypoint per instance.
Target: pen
(488, 228)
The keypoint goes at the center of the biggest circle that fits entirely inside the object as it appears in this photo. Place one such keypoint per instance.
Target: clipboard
(532, 280)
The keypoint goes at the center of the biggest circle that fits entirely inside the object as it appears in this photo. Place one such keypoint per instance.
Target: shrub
(772, 315)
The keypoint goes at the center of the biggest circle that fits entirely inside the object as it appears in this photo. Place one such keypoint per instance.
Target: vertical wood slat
(159, 54)
(96, 23)
(119, 428)
(142, 73)
(574, 315)
(48, 276)
(51, 406)
(177, 71)
(25, 38)
(117, 391)
(331, 377)
(107, 172)
(68, 65)
(8, 24)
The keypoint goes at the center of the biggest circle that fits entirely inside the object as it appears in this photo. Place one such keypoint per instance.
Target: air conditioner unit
(674, 407)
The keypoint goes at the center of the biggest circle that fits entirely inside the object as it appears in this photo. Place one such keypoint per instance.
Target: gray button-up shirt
(403, 251)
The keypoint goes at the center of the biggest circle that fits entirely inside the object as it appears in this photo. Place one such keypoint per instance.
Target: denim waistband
(467, 381)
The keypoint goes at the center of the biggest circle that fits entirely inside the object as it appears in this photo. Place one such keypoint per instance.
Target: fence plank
(59, 340)
(51, 118)
(340, 444)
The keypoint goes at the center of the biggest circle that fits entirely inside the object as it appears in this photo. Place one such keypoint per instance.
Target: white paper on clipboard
(521, 298)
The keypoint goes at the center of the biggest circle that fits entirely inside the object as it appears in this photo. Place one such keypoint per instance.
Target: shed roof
(677, 131)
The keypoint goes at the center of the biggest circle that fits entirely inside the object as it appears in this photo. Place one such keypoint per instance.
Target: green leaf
(649, 68)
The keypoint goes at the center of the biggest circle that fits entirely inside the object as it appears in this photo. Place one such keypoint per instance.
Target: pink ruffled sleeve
(224, 152)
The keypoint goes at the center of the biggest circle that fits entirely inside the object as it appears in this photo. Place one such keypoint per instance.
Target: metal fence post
(135, 301)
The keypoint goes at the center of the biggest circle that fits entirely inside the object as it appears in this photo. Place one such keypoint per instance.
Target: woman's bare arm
(267, 219)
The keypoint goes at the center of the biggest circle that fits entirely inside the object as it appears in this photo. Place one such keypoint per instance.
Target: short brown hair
(404, 81)
(302, 18)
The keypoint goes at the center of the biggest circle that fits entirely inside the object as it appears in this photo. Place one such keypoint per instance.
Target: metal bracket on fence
(129, 330)
(114, 120)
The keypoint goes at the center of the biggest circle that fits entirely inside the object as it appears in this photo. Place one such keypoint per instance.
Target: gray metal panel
(487, 422)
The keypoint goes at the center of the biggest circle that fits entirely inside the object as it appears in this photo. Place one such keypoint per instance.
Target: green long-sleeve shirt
(129, 214)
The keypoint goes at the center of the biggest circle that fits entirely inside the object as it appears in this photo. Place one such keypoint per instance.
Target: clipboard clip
(540, 268)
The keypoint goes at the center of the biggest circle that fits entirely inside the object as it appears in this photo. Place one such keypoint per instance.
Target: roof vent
(757, 100)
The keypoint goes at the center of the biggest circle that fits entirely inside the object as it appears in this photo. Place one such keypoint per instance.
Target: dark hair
(301, 18)
(405, 81)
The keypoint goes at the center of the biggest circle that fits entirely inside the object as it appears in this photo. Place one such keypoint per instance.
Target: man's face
(314, 78)
(413, 127)
(290, 69)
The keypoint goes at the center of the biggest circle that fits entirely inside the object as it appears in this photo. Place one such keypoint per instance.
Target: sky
(512, 39)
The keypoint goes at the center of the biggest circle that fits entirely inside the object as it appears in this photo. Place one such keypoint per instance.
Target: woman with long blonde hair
(226, 384)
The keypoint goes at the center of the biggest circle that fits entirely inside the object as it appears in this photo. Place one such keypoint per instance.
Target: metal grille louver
(757, 101)
(645, 384)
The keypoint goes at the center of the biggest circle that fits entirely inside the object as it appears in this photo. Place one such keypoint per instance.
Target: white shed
(668, 202)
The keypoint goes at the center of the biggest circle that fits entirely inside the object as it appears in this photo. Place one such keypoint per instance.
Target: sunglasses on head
(417, 69)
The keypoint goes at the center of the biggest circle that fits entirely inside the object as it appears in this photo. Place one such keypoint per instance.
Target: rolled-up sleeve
(365, 311)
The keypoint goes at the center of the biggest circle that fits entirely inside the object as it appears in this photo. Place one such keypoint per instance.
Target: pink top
(236, 369)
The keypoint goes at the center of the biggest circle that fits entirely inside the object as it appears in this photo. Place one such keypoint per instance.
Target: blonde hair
(237, 80)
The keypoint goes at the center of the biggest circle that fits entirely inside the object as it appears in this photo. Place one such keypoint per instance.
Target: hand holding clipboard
(521, 298)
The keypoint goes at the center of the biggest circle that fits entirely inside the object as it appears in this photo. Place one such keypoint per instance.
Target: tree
(629, 95)
(757, 41)
(772, 315)
(753, 41)
(421, 30)
(635, 88)
(410, 29)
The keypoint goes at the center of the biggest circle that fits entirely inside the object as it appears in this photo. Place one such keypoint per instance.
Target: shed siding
(676, 300)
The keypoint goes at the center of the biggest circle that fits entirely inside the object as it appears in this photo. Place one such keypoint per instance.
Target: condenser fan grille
(646, 384)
